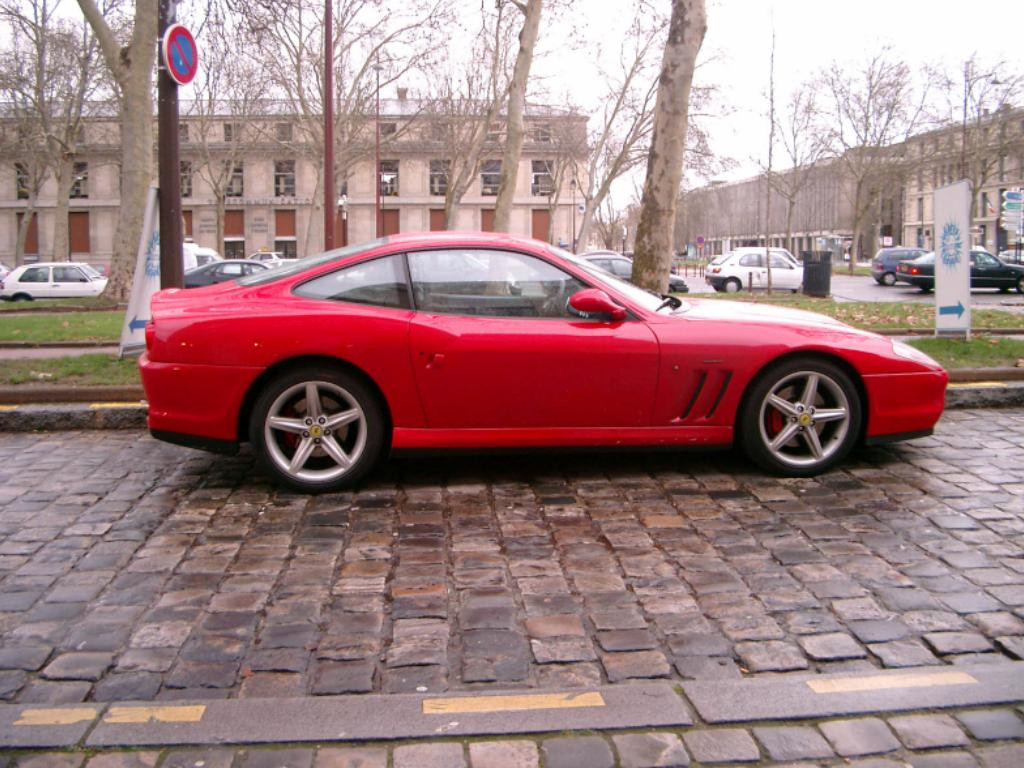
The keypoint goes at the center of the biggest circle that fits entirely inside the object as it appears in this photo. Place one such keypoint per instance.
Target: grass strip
(979, 352)
(73, 326)
(79, 371)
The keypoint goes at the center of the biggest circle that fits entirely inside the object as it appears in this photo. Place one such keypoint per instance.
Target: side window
(69, 275)
(489, 283)
(231, 268)
(779, 262)
(752, 260)
(984, 260)
(380, 282)
(36, 275)
(622, 268)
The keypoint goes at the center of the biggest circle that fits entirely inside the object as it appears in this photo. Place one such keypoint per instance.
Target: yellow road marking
(977, 384)
(56, 716)
(132, 404)
(889, 682)
(464, 704)
(170, 714)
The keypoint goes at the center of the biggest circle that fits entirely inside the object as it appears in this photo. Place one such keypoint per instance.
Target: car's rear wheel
(21, 297)
(800, 417)
(317, 430)
(732, 285)
(888, 279)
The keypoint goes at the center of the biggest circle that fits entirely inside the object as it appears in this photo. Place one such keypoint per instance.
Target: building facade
(988, 152)
(255, 183)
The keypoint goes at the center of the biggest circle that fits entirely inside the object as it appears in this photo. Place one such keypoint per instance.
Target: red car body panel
(453, 381)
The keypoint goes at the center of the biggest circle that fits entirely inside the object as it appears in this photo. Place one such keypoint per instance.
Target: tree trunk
(63, 171)
(653, 246)
(26, 219)
(514, 118)
(218, 196)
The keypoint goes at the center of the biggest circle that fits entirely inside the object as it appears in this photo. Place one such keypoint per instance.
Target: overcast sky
(809, 35)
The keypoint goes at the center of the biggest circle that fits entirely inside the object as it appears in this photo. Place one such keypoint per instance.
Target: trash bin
(817, 273)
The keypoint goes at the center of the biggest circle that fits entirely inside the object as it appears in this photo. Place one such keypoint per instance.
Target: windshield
(646, 299)
(289, 268)
(90, 271)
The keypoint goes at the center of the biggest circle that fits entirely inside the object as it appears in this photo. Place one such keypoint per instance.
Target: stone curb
(53, 416)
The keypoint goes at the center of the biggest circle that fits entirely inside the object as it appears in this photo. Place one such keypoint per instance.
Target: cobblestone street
(137, 570)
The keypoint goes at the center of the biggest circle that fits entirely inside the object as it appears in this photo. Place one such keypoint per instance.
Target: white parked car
(739, 268)
(52, 280)
(197, 255)
(271, 258)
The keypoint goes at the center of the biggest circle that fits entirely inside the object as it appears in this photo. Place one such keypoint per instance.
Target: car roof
(56, 264)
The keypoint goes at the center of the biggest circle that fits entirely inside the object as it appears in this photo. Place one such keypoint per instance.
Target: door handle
(434, 360)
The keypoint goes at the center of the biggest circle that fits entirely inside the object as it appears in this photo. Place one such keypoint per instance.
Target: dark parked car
(986, 272)
(883, 266)
(219, 271)
(622, 267)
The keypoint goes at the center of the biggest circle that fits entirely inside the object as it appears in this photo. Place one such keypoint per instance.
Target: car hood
(745, 312)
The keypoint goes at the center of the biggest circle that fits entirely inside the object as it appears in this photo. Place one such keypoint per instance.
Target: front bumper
(904, 405)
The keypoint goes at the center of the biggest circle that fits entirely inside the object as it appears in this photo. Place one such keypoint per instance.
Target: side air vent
(701, 378)
(726, 378)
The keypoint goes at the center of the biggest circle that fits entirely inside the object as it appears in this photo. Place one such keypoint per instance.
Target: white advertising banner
(952, 228)
(146, 281)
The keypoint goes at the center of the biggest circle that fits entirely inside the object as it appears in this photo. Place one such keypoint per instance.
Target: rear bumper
(904, 405)
(200, 403)
(919, 281)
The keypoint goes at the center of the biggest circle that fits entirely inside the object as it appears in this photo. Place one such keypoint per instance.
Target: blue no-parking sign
(180, 54)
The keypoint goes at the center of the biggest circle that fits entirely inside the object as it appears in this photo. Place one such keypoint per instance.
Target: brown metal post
(169, 165)
(329, 204)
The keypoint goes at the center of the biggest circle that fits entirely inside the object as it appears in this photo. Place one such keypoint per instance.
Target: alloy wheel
(804, 419)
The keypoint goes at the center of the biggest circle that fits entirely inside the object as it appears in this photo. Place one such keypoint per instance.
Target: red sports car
(448, 340)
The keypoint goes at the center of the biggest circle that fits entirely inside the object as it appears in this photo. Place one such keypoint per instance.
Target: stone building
(269, 181)
(732, 214)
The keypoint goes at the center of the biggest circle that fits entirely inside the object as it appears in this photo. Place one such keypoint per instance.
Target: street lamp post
(378, 226)
(328, 98)
(572, 187)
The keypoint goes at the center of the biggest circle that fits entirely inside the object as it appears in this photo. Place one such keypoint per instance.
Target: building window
(284, 178)
(283, 131)
(388, 130)
(389, 178)
(234, 249)
(236, 181)
(232, 132)
(920, 237)
(542, 133)
(920, 209)
(80, 181)
(439, 177)
(183, 133)
(186, 178)
(287, 248)
(984, 205)
(542, 184)
(21, 181)
(490, 178)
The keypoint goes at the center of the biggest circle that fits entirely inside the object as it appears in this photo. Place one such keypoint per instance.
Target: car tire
(925, 288)
(732, 285)
(300, 446)
(22, 297)
(778, 417)
(1020, 284)
(888, 279)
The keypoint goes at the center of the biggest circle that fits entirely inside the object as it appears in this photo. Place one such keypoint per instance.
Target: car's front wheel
(317, 430)
(800, 417)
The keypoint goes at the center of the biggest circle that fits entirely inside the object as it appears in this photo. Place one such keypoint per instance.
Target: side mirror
(594, 301)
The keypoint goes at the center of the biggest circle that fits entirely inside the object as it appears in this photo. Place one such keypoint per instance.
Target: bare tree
(653, 251)
(871, 108)
(768, 172)
(467, 104)
(130, 63)
(620, 139)
(514, 125)
(801, 134)
(49, 79)
(372, 40)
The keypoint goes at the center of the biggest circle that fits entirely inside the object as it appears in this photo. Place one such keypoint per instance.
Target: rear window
(295, 267)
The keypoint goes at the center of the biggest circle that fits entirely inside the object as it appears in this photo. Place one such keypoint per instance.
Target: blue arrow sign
(137, 324)
(1013, 194)
(957, 309)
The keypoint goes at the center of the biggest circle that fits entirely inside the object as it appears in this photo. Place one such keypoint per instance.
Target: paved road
(131, 569)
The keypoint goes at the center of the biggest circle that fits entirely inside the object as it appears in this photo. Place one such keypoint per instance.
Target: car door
(67, 282)
(752, 270)
(35, 281)
(784, 274)
(494, 346)
(989, 272)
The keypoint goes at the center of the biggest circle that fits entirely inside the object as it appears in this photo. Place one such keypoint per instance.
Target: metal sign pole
(171, 264)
